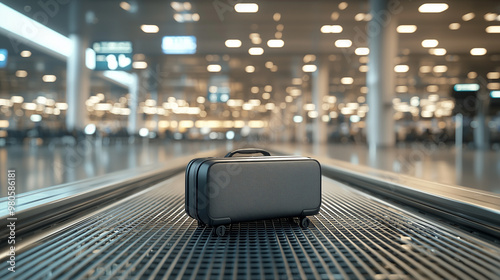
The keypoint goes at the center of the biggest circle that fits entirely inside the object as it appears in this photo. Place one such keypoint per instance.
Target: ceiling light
(25, 53)
(472, 75)
(246, 7)
(359, 16)
(362, 51)
(454, 26)
(309, 68)
(49, 78)
(363, 68)
(254, 90)
(440, 68)
(195, 17)
(276, 16)
(493, 75)
(343, 6)
(478, 51)
(493, 29)
(401, 68)
(233, 43)
(275, 43)
(250, 69)
(433, 7)
(139, 65)
(266, 95)
(269, 64)
(256, 51)
(214, 68)
(150, 28)
(425, 69)
(406, 28)
(468, 16)
(432, 88)
(438, 51)
(343, 43)
(493, 86)
(490, 16)
(334, 16)
(125, 5)
(429, 43)
(21, 74)
(347, 81)
(401, 89)
(331, 29)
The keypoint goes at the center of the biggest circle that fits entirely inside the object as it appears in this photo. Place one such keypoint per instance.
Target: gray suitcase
(221, 191)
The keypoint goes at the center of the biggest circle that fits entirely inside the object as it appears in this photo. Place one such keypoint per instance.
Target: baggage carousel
(132, 225)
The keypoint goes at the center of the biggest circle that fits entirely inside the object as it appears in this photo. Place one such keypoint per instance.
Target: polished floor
(43, 166)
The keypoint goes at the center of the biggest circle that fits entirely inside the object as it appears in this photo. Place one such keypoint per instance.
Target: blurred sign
(3, 57)
(218, 89)
(466, 87)
(179, 44)
(113, 55)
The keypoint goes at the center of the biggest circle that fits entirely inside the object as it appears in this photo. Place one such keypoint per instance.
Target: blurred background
(92, 87)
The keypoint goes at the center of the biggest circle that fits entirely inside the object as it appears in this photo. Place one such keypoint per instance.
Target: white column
(380, 78)
(133, 118)
(320, 88)
(77, 85)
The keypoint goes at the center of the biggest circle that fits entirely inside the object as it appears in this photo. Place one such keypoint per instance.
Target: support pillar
(77, 74)
(320, 87)
(481, 140)
(380, 78)
(133, 118)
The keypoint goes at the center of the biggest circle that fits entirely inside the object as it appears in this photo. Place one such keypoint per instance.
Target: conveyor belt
(149, 236)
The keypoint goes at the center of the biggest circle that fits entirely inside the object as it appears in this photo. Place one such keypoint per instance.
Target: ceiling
(301, 22)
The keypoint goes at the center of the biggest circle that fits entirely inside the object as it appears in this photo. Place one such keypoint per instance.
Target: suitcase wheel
(220, 231)
(201, 224)
(304, 222)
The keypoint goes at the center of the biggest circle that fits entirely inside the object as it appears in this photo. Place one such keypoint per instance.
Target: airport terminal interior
(103, 103)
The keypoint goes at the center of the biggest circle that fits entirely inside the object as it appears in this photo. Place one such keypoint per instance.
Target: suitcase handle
(248, 151)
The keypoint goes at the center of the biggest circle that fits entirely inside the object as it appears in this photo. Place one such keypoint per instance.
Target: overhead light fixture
(250, 69)
(214, 68)
(454, 26)
(430, 43)
(433, 7)
(49, 78)
(343, 6)
(478, 51)
(125, 5)
(256, 51)
(406, 28)
(362, 51)
(246, 8)
(363, 68)
(438, 51)
(347, 81)
(275, 43)
(493, 75)
(490, 16)
(21, 73)
(139, 65)
(331, 29)
(343, 43)
(402, 68)
(309, 68)
(150, 28)
(493, 29)
(276, 16)
(49, 40)
(233, 43)
(401, 89)
(25, 53)
(425, 69)
(468, 16)
(440, 68)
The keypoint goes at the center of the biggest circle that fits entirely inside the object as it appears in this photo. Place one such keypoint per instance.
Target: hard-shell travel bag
(221, 191)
